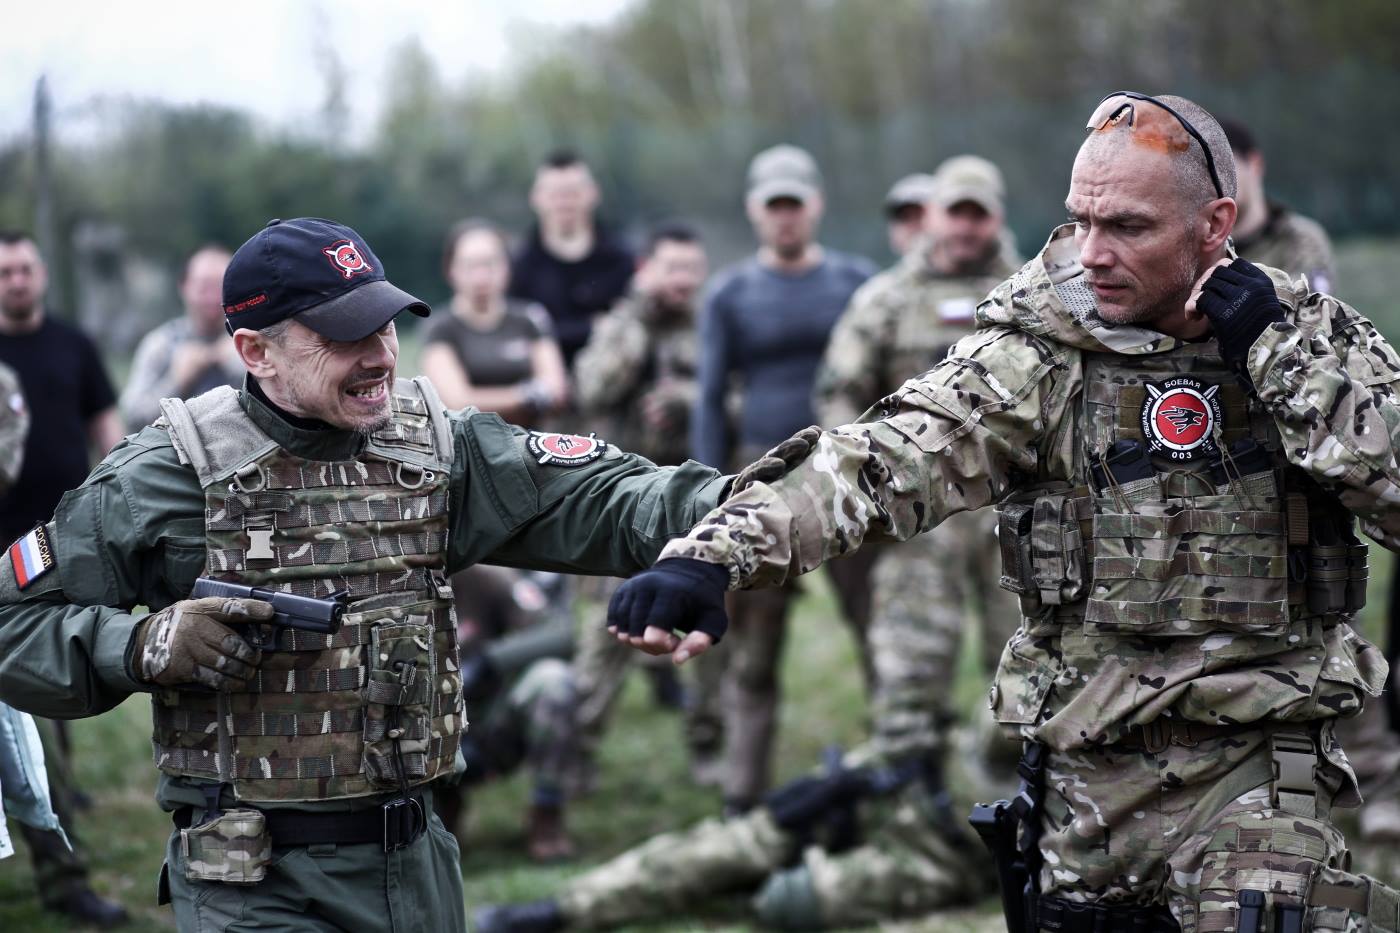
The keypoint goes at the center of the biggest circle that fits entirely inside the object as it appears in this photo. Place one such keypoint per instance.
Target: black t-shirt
(572, 292)
(65, 385)
(496, 357)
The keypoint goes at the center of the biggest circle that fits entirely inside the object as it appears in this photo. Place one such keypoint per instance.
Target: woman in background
(492, 352)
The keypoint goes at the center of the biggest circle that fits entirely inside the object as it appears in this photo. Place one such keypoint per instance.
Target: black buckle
(404, 822)
(1156, 736)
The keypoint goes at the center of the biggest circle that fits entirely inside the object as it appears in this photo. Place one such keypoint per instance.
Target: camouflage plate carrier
(1182, 562)
(314, 723)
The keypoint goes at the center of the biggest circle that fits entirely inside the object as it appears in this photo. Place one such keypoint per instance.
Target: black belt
(394, 825)
(1061, 916)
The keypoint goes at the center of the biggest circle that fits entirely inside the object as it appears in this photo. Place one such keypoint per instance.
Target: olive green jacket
(133, 535)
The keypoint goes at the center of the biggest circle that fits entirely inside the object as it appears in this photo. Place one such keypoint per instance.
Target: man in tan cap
(904, 211)
(901, 323)
(765, 324)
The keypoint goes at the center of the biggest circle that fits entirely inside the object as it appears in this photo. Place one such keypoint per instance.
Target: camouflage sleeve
(848, 380)
(610, 365)
(1332, 383)
(947, 442)
(149, 381)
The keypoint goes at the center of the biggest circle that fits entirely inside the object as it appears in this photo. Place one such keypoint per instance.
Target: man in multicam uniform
(900, 324)
(1166, 434)
(1270, 233)
(299, 773)
(636, 383)
(14, 425)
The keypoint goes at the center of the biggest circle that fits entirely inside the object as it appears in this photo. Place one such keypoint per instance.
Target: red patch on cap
(347, 258)
(567, 450)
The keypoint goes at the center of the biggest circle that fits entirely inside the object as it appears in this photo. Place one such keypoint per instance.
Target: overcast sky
(256, 54)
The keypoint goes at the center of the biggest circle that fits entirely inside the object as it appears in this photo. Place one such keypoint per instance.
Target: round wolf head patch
(565, 450)
(1179, 417)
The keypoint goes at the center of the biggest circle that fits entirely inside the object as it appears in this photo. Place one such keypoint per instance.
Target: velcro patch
(565, 450)
(31, 556)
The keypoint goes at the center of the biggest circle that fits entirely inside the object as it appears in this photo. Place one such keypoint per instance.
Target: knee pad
(788, 901)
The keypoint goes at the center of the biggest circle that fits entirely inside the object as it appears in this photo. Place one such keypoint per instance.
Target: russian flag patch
(31, 556)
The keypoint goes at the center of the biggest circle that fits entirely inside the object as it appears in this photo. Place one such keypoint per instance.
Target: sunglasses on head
(1121, 105)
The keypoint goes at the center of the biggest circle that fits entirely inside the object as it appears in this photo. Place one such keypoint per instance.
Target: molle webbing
(324, 713)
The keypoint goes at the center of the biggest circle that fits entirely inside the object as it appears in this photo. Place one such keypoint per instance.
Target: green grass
(643, 786)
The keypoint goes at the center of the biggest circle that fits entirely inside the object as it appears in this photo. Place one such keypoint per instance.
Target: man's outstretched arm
(948, 442)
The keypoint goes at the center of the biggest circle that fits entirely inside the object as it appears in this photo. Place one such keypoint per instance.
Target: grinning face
(343, 384)
(23, 280)
(1140, 246)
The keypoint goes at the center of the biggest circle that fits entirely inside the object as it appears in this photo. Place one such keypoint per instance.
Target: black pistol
(307, 613)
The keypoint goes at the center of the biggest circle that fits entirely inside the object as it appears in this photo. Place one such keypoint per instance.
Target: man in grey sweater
(764, 328)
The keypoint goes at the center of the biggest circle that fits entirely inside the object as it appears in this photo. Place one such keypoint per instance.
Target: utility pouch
(1014, 538)
(1042, 550)
(1328, 575)
(233, 847)
(398, 703)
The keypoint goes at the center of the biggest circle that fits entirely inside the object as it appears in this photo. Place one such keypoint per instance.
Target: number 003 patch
(1179, 417)
(564, 450)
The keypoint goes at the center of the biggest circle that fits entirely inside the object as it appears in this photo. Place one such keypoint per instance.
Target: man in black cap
(298, 766)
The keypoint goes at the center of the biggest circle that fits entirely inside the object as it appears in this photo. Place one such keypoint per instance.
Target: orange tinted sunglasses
(1122, 105)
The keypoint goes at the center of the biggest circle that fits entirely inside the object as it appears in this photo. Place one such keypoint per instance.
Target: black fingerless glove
(1240, 302)
(676, 594)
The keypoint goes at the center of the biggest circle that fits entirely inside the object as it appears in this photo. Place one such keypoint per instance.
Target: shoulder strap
(213, 434)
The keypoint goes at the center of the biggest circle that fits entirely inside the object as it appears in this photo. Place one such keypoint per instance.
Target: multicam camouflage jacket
(641, 354)
(898, 325)
(14, 426)
(1166, 596)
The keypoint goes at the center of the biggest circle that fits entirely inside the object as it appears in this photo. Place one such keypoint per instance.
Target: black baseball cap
(318, 271)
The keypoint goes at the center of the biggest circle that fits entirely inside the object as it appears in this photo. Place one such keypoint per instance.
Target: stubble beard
(1171, 297)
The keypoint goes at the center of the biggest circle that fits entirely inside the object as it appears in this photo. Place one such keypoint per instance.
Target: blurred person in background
(765, 324)
(636, 385)
(188, 355)
(493, 352)
(71, 407)
(14, 427)
(515, 636)
(901, 323)
(904, 211)
(569, 263)
(1269, 232)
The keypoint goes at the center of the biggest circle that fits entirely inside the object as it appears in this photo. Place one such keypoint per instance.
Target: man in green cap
(298, 764)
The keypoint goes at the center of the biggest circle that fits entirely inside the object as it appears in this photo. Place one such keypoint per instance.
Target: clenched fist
(190, 643)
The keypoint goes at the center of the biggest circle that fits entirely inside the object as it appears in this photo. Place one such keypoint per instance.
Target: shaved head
(1192, 176)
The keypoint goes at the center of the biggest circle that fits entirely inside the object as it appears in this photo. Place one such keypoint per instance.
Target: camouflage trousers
(1191, 827)
(905, 868)
(926, 592)
(330, 888)
(601, 663)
